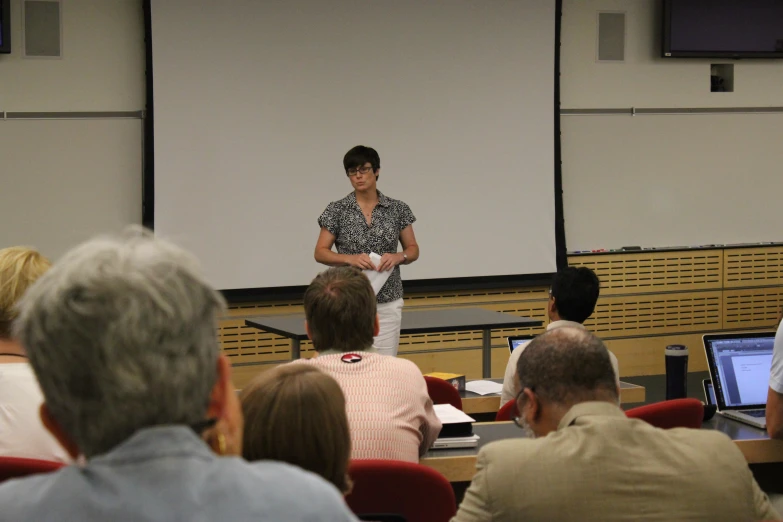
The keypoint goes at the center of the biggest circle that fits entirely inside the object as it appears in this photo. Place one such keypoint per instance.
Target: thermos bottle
(676, 372)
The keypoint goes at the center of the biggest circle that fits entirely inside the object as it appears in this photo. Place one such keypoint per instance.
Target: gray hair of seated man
(121, 334)
(567, 366)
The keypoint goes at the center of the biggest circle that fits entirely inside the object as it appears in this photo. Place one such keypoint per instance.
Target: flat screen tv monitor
(723, 28)
(5, 26)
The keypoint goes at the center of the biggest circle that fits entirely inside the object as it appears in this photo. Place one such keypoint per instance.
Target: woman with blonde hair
(296, 414)
(21, 432)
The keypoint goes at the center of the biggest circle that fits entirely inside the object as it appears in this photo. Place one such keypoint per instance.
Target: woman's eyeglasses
(359, 170)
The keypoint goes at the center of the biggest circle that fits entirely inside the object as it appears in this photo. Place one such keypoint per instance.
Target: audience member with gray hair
(121, 334)
(588, 461)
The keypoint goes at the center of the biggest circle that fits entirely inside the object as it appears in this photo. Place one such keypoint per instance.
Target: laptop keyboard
(756, 413)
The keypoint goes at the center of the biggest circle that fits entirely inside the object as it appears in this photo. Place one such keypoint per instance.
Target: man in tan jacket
(590, 462)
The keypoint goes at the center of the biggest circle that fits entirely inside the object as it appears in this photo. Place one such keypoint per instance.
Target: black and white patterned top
(344, 219)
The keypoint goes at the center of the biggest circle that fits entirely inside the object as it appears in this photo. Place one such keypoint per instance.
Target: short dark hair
(340, 308)
(359, 155)
(295, 413)
(567, 366)
(575, 291)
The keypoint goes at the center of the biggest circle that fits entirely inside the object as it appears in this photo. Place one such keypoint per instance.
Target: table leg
(295, 354)
(486, 354)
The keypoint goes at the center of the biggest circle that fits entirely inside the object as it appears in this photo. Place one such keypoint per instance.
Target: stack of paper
(456, 442)
(455, 422)
(484, 387)
(448, 414)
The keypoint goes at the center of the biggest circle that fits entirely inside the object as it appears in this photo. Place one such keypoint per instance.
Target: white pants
(389, 317)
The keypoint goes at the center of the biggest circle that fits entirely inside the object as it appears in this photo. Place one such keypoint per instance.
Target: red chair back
(14, 467)
(416, 492)
(676, 413)
(441, 392)
(507, 412)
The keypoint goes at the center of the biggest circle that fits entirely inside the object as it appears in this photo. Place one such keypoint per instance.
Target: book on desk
(457, 431)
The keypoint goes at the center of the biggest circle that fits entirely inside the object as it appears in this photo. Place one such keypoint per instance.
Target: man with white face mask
(589, 461)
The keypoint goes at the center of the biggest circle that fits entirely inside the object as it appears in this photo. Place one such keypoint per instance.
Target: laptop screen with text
(742, 367)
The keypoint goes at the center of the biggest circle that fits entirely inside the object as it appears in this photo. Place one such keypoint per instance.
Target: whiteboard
(66, 180)
(671, 180)
(256, 103)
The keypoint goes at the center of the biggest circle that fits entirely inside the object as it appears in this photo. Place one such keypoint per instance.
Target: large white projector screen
(256, 102)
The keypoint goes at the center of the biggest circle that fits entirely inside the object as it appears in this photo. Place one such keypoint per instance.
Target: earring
(221, 440)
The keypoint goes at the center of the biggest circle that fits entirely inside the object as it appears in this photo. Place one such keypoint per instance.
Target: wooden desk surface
(472, 403)
(459, 465)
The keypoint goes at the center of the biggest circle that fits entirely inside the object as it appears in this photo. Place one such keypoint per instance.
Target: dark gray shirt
(168, 474)
(344, 219)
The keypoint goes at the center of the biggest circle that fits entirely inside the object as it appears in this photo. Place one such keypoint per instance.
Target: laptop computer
(516, 340)
(739, 367)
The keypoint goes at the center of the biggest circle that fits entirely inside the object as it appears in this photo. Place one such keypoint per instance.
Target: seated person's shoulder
(404, 367)
(19, 496)
(276, 471)
(281, 481)
(511, 453)
(712, 444)
(403, 364)
(704, 437)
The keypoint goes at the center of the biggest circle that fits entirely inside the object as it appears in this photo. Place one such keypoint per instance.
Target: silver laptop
(739, 370)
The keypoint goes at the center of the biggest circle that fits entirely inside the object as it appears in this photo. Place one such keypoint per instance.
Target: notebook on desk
(457, 431)
(739, 367)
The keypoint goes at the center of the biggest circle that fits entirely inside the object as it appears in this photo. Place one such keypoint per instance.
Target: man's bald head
(567, 366)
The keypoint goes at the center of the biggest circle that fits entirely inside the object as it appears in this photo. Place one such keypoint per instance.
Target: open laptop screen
(739, 367)
(516, 340)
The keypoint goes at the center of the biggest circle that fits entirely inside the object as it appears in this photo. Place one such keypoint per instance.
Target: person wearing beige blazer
(588, 461)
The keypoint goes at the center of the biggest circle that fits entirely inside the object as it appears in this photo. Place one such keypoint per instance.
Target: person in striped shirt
(390, 413)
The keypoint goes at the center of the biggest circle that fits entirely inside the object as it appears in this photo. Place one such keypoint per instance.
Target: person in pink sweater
(389, 411)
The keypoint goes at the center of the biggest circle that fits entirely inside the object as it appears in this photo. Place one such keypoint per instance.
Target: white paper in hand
(377, 279)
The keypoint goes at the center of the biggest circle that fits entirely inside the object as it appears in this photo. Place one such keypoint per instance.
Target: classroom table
(478, 404)
(459, 465)
(413, 322)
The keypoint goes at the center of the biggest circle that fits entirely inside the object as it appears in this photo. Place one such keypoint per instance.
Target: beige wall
(645, 79)
(670, 179)
(65, 180)
(102, 67)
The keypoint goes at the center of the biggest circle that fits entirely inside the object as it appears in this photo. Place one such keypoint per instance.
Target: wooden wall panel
(752, 307)
(242, 375)
(415, 300)
(640, 315)
(648, 300)
(249, 345)
(655, 272)
(466, 362)
(645, 355)
(746, 267)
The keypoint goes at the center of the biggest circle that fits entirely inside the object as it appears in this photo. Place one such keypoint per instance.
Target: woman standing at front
(367, 221)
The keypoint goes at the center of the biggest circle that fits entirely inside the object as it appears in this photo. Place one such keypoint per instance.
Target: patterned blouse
(344, 219)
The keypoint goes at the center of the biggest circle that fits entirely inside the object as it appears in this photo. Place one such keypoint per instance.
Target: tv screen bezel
(5, 18)
(666, 51)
